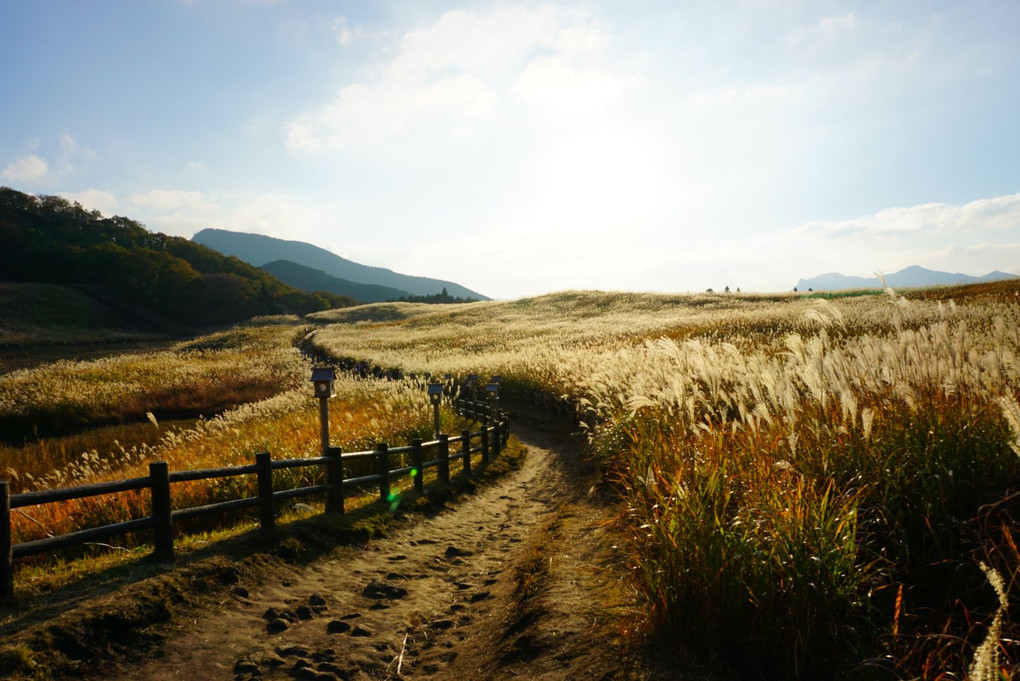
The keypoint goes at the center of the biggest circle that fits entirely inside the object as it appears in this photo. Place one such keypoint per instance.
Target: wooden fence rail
(493, 434)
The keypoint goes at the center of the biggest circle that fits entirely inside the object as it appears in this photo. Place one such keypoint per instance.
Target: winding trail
(515, 581)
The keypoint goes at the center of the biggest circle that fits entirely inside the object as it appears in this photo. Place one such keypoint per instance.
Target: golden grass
(206, 373)
(788, 465)
(818, 479)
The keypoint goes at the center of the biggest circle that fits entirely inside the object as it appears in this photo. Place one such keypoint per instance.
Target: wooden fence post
(496, 435)
(382, 453)
(418, 461)
(267, 509)
(444, 458)
(6, 547)
(335, 476)
(465, 446)
(163, 534)
(485, 444)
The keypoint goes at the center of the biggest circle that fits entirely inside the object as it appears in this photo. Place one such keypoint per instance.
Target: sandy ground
(519, 580)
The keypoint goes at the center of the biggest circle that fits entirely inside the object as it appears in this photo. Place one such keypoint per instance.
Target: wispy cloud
(447, 76)
(974, 238)
(997, 215)
(94, 199)
(26, 169)
(342, 31)
(556, 84)
(362, 115)
(838, 23)
(182, 213)
(163, 200)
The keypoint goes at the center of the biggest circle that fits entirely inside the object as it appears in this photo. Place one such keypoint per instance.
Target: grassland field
(811, 488)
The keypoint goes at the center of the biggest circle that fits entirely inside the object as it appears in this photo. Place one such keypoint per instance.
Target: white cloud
(838, 23)
(182, 213)
(974, 238)
(95, 199)
(68, 144)
(754, 95)
(361, 115)
(342, 31)
(164, 201)
(554, 83)
(446, 77)
(26, 169)
(487, 41)
(928, 221)
(195, 167)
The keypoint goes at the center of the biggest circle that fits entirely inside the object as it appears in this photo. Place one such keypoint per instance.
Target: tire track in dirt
(437, 599)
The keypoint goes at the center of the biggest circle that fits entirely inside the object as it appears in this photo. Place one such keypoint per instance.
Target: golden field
(811, 488)
(224, 368)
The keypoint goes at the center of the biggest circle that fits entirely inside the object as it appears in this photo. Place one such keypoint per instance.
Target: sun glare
(604, 176)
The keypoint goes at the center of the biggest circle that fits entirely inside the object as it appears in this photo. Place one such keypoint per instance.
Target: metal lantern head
(472, 380)
(435, 392)
(322, 378)
(496, 379)
(492, 389)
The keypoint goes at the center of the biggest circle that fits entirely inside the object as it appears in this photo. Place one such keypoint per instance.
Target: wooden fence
(490, 438)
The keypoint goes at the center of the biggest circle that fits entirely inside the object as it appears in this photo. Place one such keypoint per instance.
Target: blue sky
(521, 148)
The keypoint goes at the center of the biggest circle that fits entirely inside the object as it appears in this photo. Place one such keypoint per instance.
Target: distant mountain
(910, 277)
(259, 250)
(309, 279)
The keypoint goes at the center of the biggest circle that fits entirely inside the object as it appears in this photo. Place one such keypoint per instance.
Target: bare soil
(518, 580)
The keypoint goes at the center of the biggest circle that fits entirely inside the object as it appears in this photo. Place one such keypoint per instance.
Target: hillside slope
(309, 279)
(258, 250)
(48, 239)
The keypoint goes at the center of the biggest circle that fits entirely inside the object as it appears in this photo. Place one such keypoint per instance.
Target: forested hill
(51, 240)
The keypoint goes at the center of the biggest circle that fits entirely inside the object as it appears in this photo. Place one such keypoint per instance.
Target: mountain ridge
(909, 277)
(310, 279)
(258, 250)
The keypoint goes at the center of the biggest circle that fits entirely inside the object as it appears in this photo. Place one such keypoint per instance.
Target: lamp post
(493, 389)
(435, 397)
(472, 382)
(322, 379)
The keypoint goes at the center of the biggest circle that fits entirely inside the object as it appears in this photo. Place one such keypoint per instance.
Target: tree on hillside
(52, 240)
(436, 298)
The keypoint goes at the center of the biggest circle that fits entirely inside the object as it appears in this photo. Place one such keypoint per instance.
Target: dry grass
(286, 424)
(813, 478)
(810, 486)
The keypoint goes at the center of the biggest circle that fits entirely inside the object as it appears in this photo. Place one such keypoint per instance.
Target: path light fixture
(472, 383)
(322, 379)
(493, 390)
(435, 397)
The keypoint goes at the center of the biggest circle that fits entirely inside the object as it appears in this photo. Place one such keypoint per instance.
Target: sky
(521, 148)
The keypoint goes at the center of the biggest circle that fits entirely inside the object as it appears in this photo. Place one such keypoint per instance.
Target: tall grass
(204, 376)
(810, 485)
(286, 424)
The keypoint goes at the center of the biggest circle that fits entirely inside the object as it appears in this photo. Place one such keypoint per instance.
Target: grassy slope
(37, 314)
(888, 406)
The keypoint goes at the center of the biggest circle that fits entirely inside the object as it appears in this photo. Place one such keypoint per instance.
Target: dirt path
(515, 581)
